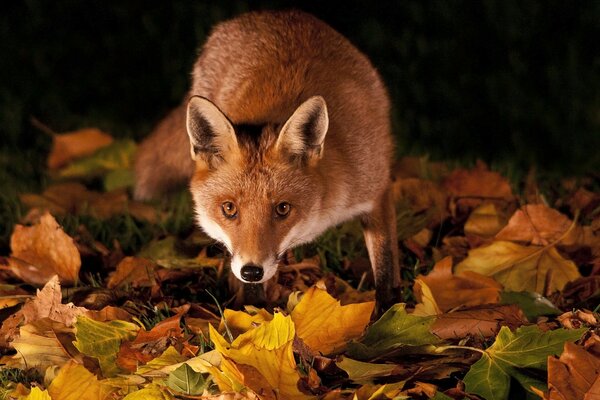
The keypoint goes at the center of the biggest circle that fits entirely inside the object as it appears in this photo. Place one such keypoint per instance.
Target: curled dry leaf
(535, 224)
(577, 319)
(71, 145)
(422, 195)
(42, 251)
(455, 290)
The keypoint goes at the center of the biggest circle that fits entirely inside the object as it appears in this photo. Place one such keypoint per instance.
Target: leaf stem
(441, 349)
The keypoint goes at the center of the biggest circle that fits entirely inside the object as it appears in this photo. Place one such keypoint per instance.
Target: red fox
(288, 128)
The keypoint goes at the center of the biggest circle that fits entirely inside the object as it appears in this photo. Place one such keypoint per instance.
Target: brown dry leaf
(521, 268)
(74, 198)
(149, 344)
(42, 251)
(134, 271)
(585, 201)
(71, 145)
(478, 182)
(575, 375)
(484, 221)
(451, 291)
(48, 304)
(478, 321)
(535, 224)
(422, 195)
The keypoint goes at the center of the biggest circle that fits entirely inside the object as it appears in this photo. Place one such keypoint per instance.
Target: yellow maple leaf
(268, 350)
(37, 394)
(326, 326)
(75, 382)
(240, 321)
(521, 268)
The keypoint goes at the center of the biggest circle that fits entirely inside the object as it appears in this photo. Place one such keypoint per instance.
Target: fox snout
(253, 272)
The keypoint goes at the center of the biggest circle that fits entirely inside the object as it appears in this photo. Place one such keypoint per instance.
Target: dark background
(510, 82)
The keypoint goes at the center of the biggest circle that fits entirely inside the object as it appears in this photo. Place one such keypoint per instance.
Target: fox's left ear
(304, 132)
(212, 137)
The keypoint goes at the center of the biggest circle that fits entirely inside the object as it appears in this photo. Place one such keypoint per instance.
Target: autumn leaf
(395, 329)
(267, 349)
(575, 375)
(187, 381)
(455, 290)
(75, 382)
(42, 251)
(535, 224)
(532, 304)
(484, 221)
(162, 365)
(149, 344)
(69, 146)
(363, 372)
(243, 321)
(527, 347)
(101, 340)
(150, 392)
(43, 343)
(134, 271)
(48, 304)
(478, 185)
(117, 155)
(521, 268)
(326, 326)
(37, 394)
(479, 321)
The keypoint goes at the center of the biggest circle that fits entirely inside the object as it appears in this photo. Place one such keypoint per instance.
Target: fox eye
(229, 210)
(283, 209)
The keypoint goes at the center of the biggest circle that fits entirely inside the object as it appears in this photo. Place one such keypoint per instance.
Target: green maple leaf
(395, 329)
(102, 340)
(514, 354)
(187, 381)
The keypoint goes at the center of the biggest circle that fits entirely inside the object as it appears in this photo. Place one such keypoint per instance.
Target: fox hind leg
(379, 228)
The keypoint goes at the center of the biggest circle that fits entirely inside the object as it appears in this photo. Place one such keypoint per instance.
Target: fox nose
(252, 272)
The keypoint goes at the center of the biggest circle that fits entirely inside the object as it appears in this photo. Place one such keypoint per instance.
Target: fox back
(288, 128)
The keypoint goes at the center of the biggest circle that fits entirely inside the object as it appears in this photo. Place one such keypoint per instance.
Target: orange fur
(258, 69)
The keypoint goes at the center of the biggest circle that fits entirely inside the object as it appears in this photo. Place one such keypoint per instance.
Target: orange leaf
(71, 145)
(575, 375)
(44, 250)
(536, 224)
(451, 291)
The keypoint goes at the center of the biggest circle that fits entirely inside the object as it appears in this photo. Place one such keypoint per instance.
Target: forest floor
(104, 297)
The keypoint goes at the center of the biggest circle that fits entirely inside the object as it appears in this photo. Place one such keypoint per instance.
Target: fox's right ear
(212, 137)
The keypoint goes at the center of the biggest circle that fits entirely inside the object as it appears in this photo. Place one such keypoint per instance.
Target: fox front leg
(379, 229)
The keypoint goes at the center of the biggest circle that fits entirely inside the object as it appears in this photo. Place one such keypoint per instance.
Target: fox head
(256, 189)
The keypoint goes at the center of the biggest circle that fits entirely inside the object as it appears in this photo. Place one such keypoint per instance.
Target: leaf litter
(500, 297)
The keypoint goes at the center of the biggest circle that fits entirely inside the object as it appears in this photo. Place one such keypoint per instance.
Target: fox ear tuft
(304, 132)
(212, 136)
